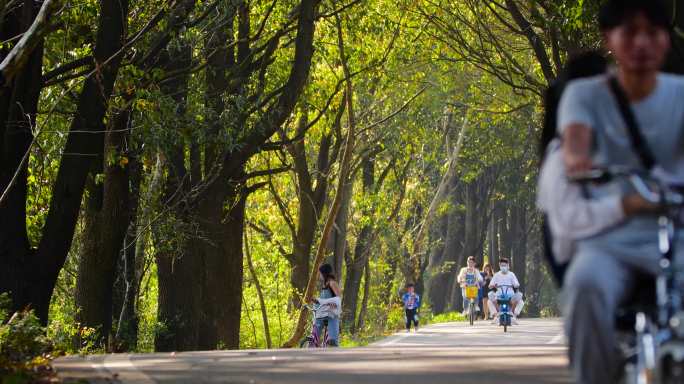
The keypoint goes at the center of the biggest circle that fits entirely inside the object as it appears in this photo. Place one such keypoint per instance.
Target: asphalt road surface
(455, 353)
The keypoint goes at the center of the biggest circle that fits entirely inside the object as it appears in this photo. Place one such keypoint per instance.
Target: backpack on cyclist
(588, 64)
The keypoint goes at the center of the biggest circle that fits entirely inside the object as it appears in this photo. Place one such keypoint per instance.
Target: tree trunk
(506, 242)
(477, 203)
(311, 202)
(340, 247)
(519, 249)
(445, 235)
(18, 106)
(352, 282)
(221, 208)
(345, 170)
(493, 236)
(260, 294)
(38, 274)
(107, 217)
(222, 254)
(179, 266)
(534, 281)
(366, 296)
(450, 233)
(127, 328)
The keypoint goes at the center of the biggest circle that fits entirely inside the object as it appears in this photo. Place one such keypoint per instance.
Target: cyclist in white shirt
(505, 278)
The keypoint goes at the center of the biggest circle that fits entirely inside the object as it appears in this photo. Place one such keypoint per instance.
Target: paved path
(530, 353)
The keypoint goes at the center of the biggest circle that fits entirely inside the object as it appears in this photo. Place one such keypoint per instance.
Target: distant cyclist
(505, 281)
(411, 302)
(469, 276)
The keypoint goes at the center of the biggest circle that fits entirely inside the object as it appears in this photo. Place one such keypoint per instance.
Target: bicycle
(504, 300)
(313, 340)
(651, 328)
(471, 293)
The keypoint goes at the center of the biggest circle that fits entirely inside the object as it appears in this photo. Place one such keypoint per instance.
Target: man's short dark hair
(503, 260)
(410, 285)
(616, 12)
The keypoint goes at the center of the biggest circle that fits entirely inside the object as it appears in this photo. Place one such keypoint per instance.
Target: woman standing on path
(330, 310)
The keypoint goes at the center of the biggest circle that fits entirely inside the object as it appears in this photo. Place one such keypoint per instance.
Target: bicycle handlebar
(643, 183)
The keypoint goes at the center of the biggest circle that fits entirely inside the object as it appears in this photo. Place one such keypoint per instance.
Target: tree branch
(15, 60)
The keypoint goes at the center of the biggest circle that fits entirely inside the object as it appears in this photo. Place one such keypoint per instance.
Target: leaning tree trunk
(343, 178)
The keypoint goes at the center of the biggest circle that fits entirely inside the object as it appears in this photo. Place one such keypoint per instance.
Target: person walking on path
(411, 302)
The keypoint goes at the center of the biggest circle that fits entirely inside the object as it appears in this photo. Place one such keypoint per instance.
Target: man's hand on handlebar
(634, 204)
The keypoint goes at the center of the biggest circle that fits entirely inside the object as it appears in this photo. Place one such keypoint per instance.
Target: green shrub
(22, 338)
(448, 317)
(5, 305)
(25, 350)
(396, 318)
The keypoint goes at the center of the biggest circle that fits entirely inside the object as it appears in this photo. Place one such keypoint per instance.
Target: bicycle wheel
(307, 343)
(472, 312)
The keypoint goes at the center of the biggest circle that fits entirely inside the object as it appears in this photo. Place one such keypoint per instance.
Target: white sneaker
(495, 319)
(514, 320)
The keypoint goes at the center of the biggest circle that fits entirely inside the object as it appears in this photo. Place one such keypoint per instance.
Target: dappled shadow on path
(534, 364)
